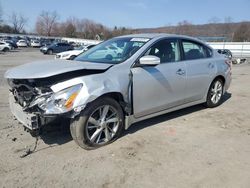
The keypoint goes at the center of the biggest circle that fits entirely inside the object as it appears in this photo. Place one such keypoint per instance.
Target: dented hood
(43, 69)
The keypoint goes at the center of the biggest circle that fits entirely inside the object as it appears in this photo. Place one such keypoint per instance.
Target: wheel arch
(6, 49)
(219, 77)
(118, 97)
(216, 77)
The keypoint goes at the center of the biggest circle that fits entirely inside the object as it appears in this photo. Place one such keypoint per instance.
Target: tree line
(49, 24)
(236, 32)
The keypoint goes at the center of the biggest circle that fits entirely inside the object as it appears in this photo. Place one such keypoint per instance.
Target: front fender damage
(96, 86)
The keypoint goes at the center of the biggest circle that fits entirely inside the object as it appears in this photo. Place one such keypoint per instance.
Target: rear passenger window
(193, 50)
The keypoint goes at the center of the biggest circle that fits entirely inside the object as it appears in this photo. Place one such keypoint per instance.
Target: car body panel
(162, 78)
(200, 74)
(149, 91)
(43, 69)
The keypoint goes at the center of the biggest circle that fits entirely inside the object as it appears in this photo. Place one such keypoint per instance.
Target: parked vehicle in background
(113, 51)
(11, 43)
(35, 44)
(72, 54)
(103, 92)
(45, 42)
(227, 53)
(22, 43)
(56, 48)
(4, 46)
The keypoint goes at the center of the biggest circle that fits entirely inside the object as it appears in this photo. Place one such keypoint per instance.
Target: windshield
(113, 51)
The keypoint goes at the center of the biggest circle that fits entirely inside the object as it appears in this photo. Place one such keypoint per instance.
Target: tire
(92, 130)
(50, 52)
(6, 49)
(72, 57)
(215, 93)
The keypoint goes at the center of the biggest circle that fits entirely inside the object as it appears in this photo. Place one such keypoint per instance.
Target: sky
(132, 13)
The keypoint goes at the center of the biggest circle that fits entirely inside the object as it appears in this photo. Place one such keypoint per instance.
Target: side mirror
(150, 60)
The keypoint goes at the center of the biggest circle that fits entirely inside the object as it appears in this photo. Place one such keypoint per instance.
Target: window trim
(136, 62)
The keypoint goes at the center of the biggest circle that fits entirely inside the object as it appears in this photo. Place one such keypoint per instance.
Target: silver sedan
(117, 83)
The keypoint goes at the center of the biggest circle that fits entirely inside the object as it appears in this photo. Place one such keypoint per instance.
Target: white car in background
(35, 43)
(70, 55)
(113, 51)
(21, 43)
(4, 46)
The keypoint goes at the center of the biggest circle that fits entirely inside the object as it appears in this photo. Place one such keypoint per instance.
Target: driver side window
(167, 50)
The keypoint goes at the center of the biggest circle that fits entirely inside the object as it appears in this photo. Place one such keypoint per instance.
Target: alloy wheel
(102, 125)
(216, 92)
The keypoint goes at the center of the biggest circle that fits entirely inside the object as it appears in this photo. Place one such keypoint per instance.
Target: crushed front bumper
(31, 121)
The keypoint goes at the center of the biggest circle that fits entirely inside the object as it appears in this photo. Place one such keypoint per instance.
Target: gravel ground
(193, 147)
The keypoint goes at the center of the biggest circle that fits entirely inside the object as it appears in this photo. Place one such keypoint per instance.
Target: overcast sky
(132, 13)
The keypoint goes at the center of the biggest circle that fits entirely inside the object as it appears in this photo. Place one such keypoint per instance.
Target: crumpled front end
(22, 94)
(34, 104)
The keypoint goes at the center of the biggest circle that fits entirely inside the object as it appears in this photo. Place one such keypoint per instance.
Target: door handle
(180, 72)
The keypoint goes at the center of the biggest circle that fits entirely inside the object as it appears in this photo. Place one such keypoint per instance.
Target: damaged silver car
(117, 83)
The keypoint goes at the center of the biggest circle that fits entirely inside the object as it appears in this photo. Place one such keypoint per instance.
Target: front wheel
(100, 123)
(72, 57)
(50, 52)
(215, 93)
(6, 49)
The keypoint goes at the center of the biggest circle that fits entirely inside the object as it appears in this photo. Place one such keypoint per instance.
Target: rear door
(200, 68)
(156, 88)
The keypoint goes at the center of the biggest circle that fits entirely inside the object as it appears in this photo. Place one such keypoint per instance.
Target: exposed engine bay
(25, 91)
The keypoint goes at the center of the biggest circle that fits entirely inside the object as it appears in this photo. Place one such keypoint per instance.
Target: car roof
(156, 35)
(163, 35)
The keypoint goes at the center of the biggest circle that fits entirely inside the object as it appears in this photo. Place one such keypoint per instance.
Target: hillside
(232, 31)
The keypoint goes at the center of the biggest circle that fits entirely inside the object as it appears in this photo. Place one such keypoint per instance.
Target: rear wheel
(72, 57)
(100, 123)
(215, 93)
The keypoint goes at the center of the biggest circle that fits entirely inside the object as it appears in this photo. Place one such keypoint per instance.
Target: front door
(156, 88)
